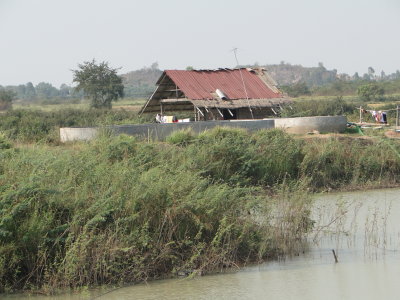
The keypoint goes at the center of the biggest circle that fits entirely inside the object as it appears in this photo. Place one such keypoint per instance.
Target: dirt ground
(393, 134)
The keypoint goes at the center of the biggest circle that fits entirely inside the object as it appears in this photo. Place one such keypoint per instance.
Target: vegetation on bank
(29, 126)
(121, 210)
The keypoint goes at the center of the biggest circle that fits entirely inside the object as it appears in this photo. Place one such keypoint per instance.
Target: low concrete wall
(161, 131)
(306, 124)
(68, 134)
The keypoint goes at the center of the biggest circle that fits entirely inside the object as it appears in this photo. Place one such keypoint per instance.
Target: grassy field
(127, 104)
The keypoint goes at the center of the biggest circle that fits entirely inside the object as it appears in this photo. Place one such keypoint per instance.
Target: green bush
(34, 125)
(278, 156)
(370, 91)
(4, 142)
(334, 163)
(330, 107)
(181, 137)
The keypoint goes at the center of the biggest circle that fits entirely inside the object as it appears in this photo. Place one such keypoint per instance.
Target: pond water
(362, 227)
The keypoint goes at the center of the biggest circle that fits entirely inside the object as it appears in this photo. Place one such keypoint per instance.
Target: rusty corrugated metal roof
(202, 84)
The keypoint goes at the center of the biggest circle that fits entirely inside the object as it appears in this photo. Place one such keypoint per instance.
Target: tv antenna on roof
(244, 85)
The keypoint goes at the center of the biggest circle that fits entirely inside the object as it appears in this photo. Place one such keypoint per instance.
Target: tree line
(367, 90)
(137, 84)
(295, 80)
(41, 91)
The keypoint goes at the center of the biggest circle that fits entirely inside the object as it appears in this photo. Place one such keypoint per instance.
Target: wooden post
(335, 256)
(360, 114)
(397, 115)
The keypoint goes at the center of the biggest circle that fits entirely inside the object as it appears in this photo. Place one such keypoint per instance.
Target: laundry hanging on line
(379, 116)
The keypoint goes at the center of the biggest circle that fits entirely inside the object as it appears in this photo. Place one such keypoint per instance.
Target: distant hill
(287, 74)
(141, 83)
(294, 79)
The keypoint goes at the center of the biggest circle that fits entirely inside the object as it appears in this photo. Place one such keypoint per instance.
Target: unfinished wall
(77, 133)
(322, 124)
(161, 131)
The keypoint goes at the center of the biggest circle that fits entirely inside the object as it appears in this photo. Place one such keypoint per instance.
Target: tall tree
(30, 92)
(371, 91)
(99, 82)
(45, 90)
(371, 72)
(6, 98)
(65, 91)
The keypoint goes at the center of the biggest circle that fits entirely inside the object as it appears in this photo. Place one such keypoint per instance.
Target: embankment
(119, 210)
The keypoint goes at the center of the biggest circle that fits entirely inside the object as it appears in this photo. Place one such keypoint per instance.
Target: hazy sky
(42, 40)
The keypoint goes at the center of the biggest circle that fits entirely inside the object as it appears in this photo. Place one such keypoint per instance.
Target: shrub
(308, 108)
(34, 126)
(72, 217)
(181, 137)
(371, 91)
(4, 142)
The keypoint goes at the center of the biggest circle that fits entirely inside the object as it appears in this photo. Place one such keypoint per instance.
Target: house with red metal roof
(221, 94)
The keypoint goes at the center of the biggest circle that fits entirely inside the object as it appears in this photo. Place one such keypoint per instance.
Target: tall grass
(320, 107)
(121, 210)
(341, 162)
(35, 125)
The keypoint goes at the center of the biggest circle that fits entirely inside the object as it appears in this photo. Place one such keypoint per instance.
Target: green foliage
(45, 90)
(4, 142)
(347, 87)
(334, 163)
(296, 90)
(370, 91)
(237, 157)
(119, 210)
(287, 74)
(26, 92)
(34, 126)
(6, 98)
(330, 107)
(99, 82)
(277, 156)
(121, 147)
(141, 83)
(181, 137)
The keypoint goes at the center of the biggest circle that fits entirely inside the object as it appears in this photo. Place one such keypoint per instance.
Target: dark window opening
(228, 116)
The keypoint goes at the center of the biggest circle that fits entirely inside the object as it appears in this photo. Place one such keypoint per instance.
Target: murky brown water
(363, 228)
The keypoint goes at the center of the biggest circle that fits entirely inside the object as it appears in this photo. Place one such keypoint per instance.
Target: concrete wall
(306, 124)
(161, 131)
(68, 134)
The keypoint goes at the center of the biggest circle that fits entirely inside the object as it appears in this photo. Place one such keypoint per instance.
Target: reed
(119, 209)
